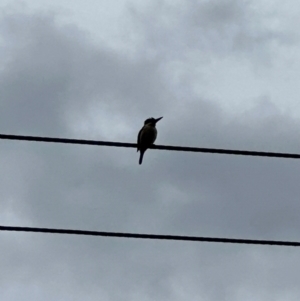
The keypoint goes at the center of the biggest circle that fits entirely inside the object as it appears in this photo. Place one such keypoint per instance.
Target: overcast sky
(222, 73)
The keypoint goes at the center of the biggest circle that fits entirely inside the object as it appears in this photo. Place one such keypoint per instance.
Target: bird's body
(146, 136)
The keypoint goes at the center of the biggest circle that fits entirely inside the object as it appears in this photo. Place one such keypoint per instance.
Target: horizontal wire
(162, 147)
(153, 236)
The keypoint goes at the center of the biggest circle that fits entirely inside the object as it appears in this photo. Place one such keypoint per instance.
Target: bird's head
(152, 121)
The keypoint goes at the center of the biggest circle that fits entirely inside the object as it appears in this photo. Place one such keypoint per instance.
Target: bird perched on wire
(147, 136)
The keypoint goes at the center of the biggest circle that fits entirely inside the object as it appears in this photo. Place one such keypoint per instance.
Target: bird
(147, 136)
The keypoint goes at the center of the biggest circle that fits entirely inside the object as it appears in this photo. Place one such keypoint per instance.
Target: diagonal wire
(161, 147)
(153, 236)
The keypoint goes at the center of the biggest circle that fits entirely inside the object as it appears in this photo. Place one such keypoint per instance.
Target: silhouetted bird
(146, 136)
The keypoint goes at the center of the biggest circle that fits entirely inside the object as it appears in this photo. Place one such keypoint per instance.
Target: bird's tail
(141, 156)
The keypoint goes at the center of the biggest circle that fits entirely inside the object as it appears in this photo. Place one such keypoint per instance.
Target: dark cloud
(51, 71)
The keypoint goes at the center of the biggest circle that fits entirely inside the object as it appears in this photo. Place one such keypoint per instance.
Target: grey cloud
(51, 70)
(222, 27)
(54, 71)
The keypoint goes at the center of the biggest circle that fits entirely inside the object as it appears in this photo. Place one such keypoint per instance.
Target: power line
(162, 147)
(152, 236)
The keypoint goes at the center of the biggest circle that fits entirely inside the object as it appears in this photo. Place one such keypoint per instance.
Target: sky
(223, 74)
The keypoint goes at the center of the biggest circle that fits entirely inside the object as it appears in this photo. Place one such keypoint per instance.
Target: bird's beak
(158, 119)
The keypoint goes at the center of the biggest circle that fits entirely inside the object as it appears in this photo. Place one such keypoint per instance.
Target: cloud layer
(223, 74)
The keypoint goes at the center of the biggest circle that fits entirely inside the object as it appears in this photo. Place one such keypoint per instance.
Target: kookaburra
(146, 136)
